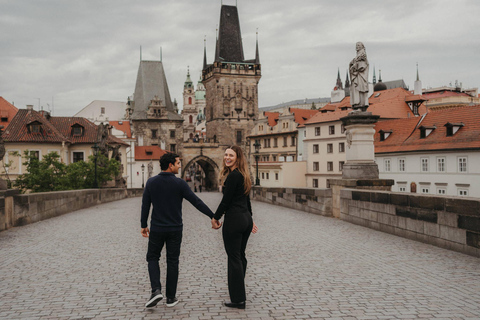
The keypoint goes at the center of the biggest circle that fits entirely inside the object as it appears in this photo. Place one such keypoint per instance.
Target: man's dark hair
(166, 159)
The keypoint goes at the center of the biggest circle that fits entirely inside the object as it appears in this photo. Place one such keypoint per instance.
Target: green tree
(314, 107)
(50, 174)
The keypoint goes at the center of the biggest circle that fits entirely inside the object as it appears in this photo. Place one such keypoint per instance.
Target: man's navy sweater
(166, 192)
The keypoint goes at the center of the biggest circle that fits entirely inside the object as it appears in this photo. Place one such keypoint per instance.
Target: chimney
(29, 107)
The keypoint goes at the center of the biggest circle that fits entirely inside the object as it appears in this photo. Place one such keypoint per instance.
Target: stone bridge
(90, 264)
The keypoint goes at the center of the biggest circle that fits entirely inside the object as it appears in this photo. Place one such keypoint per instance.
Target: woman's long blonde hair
(242, 166)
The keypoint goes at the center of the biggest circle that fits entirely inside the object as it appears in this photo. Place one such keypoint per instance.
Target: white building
(435, 154)
(99, 111)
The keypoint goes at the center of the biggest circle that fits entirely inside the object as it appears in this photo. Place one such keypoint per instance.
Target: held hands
(216, 224)
(145, 232)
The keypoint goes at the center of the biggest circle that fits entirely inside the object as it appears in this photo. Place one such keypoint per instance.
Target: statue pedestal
(360, 171)
(360, 151)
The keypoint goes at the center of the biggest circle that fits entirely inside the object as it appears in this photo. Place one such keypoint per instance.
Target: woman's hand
(255, 228)
(216, 224)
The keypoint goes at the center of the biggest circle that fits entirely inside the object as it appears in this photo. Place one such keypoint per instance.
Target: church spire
(339, 81)
(374, 77)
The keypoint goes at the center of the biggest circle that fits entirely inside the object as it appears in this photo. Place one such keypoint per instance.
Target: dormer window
(452, 128)
(426, 130)
(384, 134)
(34, 127)
(77, 130)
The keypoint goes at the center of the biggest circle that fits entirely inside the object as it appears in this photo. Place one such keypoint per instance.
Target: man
(166, 193)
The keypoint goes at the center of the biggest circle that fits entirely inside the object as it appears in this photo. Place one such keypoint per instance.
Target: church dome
(380, 86)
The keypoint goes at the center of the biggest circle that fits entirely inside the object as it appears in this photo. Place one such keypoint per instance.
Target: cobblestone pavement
(90, 264)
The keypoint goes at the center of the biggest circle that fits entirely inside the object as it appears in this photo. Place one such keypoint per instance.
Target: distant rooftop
(296, 102)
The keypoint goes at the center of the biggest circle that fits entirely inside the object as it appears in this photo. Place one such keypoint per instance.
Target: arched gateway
(209, 168)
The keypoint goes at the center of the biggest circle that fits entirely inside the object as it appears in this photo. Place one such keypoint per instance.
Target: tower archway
(205, 172)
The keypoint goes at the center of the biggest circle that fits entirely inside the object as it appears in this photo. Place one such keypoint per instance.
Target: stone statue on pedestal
(359, 79)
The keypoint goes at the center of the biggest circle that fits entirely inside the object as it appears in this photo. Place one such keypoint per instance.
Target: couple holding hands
(166, 193)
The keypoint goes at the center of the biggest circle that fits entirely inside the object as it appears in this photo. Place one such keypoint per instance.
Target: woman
(238, 223)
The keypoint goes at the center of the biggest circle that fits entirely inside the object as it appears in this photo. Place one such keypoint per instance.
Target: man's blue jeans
(173, 241)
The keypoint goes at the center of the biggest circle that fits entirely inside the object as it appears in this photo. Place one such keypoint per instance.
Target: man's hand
(216, 224)
(145, 232)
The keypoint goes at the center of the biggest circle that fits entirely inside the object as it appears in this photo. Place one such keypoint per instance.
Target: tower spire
(257, 55)
(205, 53)
(418, 78)
(374, 77)
(339, 84)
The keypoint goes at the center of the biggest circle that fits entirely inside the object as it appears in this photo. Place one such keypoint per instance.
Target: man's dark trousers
(173, 241)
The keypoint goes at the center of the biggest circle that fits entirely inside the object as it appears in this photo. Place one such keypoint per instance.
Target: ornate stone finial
(359, 79)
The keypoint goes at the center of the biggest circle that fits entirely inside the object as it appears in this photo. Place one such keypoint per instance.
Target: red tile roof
(53, 129)
(444, 94)
(272, 118)
(405, 136)
(17, 130)
(8, 111)
(123, 126)
(388, 104)
(302, 115)
(149, 153)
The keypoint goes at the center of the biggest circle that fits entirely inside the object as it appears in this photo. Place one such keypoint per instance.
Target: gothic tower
(231, 84)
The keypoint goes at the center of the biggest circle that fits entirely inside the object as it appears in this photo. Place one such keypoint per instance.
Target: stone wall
(21, 209)
(318, 201)
(448, 222)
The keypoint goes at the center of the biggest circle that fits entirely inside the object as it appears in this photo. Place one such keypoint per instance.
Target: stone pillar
(360, 170)
(360, 151)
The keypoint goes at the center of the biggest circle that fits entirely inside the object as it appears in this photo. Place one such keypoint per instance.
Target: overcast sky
(74, 52)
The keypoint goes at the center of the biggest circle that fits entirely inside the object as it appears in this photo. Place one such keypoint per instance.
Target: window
(154, 133)
(387, 166)
(329, 147)
(190, 119)
(402, 189)
(266, 175)
(384, 134)
(275, 142)
(329, 166)
(4, 119)
(263, 175)
(317, 131)
(340, 165)
(441, 164)
(462, 164)
(331, 129)
(341, 147)
(172, 133)
(305, 133)
(315, 148)
(173, 147)
(401, 165)
(189, 100)
(294, 141)
(274, 158)
(315, 183)
(425, 190)
(463, 192)
(284, 141)
(316, 166)
(276, 176)
(77, 130)
(342, 129)
(102, 110)
(239, 136)
(77, 156)
(424, 162)
(35, 154)
(441, 191)
(266, 143)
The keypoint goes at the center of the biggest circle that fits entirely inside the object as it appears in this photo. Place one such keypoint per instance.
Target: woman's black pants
(236, 230)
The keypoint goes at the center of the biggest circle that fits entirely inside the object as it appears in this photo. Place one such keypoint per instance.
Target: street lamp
(95, 154)
(257, 146)
(143, 172)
